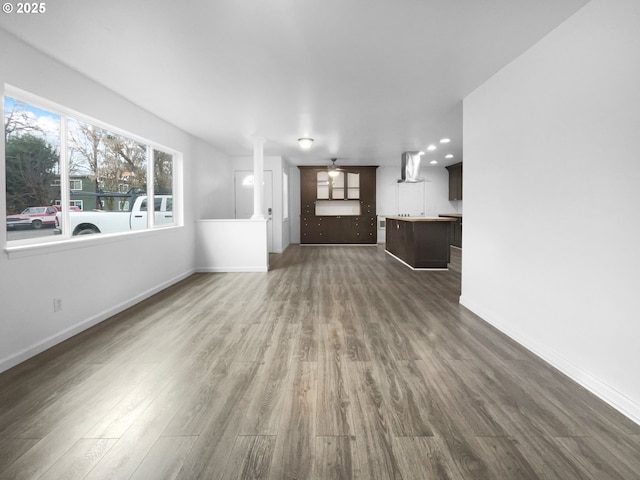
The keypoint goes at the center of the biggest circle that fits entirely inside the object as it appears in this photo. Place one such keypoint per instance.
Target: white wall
(551, 189)
(436, 191)
(213, 183)
(232, 245)
(95, 278)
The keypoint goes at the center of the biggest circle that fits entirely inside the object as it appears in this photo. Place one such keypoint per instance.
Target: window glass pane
(163, 188)
(112, 172)
(353, 183)
(32, 168)
(338, 186)
(323, 185)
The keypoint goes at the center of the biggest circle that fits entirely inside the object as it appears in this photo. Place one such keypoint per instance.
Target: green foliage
(31, 165)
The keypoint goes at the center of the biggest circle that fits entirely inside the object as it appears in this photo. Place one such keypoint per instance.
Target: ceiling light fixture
(433, 162)
(445, 140)
(431, 148)
(333, 170)
(305, 143)
(448, 156)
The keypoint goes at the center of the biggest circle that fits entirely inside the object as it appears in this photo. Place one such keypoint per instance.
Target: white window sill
(58, 243)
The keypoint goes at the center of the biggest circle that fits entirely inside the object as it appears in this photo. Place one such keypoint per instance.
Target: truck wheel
(87, 231)
(36, 224)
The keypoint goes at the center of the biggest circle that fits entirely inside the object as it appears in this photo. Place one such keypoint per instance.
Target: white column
(258, 178)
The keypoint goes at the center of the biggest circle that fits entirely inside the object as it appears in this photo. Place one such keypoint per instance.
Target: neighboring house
(82, 189)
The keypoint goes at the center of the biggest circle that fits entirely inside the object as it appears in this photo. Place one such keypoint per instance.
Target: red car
(33, 217)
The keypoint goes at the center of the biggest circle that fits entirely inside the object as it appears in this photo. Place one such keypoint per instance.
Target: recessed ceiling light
(433, 162)
(431, 148)
(445, 140)
(448, 156)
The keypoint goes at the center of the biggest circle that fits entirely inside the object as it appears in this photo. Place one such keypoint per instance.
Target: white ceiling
(367, 79)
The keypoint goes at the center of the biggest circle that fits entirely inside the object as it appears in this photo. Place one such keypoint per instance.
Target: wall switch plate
(57, 304)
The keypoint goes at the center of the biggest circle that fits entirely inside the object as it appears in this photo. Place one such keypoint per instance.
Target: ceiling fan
(335, 170)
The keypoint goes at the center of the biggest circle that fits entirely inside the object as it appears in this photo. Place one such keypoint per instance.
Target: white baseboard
(231, 269)
(602, 390)
(25, 354)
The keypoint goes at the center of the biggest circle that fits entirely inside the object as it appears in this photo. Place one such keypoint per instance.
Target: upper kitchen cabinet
(348, 183)
(455, 181)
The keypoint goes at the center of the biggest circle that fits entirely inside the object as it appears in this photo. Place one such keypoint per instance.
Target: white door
(244, 199)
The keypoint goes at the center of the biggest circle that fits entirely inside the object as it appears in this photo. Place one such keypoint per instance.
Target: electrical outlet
(57, 304)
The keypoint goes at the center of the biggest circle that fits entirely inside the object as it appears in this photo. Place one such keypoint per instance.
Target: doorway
(244, 199)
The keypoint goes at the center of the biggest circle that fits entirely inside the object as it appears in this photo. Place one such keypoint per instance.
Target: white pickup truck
(132, 217)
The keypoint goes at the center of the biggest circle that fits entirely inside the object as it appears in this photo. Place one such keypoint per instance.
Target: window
(32, 166)
(106, 169)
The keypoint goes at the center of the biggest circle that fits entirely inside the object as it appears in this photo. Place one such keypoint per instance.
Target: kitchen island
(419, 242)
(456, 228)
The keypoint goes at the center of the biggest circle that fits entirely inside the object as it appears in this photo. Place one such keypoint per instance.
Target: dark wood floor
(338, 363)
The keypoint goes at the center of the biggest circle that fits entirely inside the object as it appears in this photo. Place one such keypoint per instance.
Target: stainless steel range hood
(410, 167)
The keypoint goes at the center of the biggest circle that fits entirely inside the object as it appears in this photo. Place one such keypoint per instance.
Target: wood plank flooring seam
(337, 364)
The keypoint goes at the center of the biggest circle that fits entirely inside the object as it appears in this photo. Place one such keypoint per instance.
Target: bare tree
(87, 152)
(125, 162)
(18, 122)
(162, 171)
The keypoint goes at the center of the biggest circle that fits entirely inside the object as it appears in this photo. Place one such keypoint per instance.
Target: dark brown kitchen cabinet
(455, 181)
(420, 242)
(455, 237)
(355, 187)
(313, 229)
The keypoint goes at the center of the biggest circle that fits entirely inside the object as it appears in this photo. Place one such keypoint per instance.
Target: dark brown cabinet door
(308, 187)
(338, 229)
(457, 233)
(391, 239)
(368, 184)
(313, 229)
(365, 229)
(455, 181)
(455, 230)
